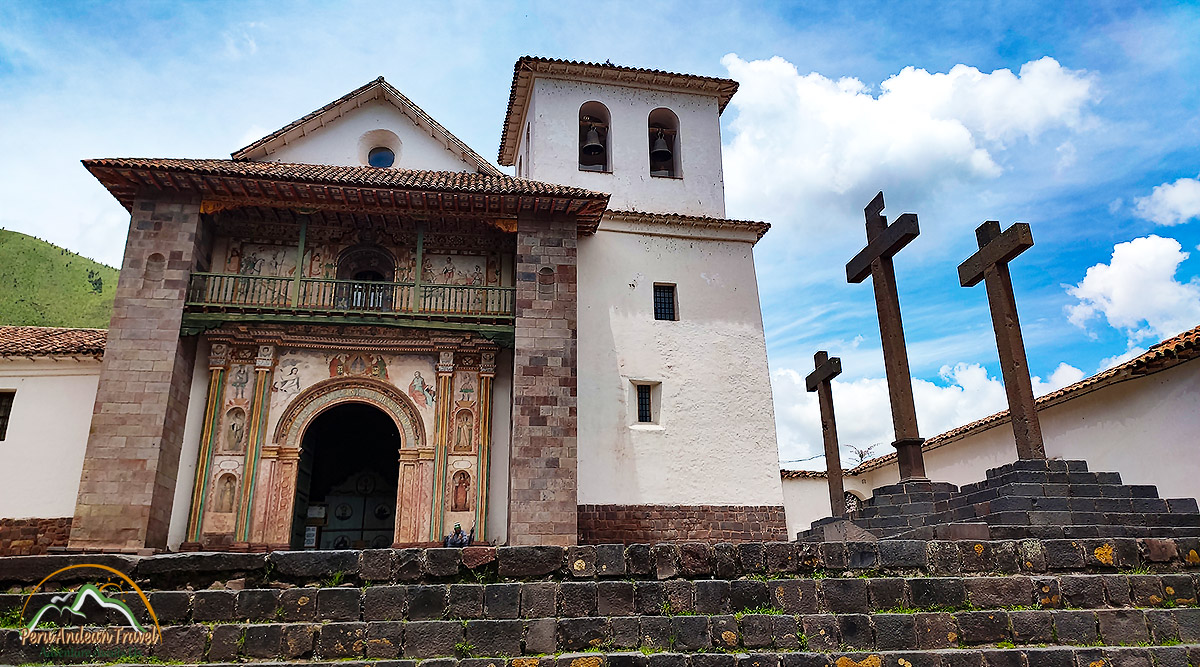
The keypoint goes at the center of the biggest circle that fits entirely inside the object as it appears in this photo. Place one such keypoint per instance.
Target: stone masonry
(132, 457)
(542, 475)
(628, 524)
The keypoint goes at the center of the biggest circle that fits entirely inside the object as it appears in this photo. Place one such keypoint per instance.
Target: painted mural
(438, 269)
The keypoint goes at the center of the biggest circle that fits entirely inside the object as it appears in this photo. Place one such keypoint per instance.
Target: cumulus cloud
(798, 139)
(966, 393)
(1137, 293)
(1171, 203)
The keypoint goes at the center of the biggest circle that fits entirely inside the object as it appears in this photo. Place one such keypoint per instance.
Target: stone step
(900, 630)
(371, 568)
(860, 595)
(1180, 655)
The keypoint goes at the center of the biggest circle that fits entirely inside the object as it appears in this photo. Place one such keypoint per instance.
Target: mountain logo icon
(71, 603)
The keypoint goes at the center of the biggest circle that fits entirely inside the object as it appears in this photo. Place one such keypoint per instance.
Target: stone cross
(990, 265)
(819, 381)
(875, 260)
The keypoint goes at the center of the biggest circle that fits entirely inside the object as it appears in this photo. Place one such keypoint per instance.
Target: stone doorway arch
(280, 460)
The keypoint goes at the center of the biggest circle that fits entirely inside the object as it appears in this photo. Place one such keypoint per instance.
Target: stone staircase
(1046, 499)
(1070, 602)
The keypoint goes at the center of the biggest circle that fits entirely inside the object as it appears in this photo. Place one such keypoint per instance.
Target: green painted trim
(261, 394)
(213, 414)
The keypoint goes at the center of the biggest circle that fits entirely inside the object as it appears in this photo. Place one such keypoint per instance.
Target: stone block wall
(629, 524)
(543, 468)
(32, 537)
(132, 458)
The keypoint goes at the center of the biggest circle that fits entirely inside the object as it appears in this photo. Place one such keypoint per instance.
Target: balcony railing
(216, 290)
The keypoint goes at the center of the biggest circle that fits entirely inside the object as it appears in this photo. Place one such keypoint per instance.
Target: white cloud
(1137, 292)
(863, 412)
(1171, 203)
(799, 140)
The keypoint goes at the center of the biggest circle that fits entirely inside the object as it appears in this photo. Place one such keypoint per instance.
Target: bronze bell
(591, 145)
(660, 152)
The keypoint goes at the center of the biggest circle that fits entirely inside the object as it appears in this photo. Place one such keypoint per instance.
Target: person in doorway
(458, 538)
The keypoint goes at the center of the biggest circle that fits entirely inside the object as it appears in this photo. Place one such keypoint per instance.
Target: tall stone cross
(875, 260)
(819, 381)
(990, 265)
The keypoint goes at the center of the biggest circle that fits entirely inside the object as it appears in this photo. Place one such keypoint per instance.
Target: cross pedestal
(875, 260)
(820, 381)
(990, 264)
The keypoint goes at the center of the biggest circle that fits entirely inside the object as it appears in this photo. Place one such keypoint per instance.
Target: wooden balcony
(348, 300)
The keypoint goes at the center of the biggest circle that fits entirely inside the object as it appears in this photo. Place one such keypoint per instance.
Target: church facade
(359, 333)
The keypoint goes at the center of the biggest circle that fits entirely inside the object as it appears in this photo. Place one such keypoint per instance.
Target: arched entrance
(346, 480)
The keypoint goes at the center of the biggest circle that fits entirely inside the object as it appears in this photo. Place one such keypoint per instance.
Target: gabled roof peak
(376, 89)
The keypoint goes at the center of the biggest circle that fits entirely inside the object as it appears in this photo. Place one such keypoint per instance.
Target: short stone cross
(875, 260)
(820, 381)
(990, 264)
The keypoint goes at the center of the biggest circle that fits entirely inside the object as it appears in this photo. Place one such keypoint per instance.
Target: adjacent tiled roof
(674, 219)
(238, 182)
(1170, 352)
(50, 341)
(527, 66)
(377, 89)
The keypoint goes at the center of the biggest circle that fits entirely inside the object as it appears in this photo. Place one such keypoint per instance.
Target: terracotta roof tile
(375, 88)
(804, 474)
(527, 66)
(408, 179)
(757, 228)
(50, 341)
(1170, 352)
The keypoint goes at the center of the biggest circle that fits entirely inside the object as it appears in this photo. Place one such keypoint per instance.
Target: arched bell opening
(346, 480)
(367, 274)
(594, 150)
(663, 129)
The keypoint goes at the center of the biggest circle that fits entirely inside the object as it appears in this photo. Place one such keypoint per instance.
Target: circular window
(381, 156)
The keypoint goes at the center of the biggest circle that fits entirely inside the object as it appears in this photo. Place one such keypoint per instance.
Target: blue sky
(1081, 119)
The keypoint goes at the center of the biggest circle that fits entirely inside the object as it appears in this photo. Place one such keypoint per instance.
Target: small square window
(645, 407)
(6, 402)
(664, 302)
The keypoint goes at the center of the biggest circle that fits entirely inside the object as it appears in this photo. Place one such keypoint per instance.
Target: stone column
(543, 507)
(408, 498)
(487, 371)
(260, 406)
(441, 442)
(280, 466)
(218, 365)
(131, 463)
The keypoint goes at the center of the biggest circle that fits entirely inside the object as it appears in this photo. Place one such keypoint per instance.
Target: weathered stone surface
(712, 596)
(408, 565)
(666, 560)
(936, 630)
(581, 561)
(385, 603)
(821, 630)
(578, 634)
(887, 593)
(747, 594)
(313, 565)
(474, 558)
(937, 592)
(1032, 627)
(214, 606)
(172, 607)
(263, 640)
(501, 600)
(756, 630)
(182, 643)
(610, 560)
(691, 633)
(376, 564)
(225, 642)
(339, 604)
(466, 601)
(1075, 627)
(990, 592)
(442, 563)
(298, 604)
(845, 596)
(385, 640)
(495, 638)
(655, 632)
(856, 631)
(342, 640)
(431, 639)
(902, 554)
(982, 627)
(541, 636)
(528, 562)
(538, 600)
(615, 598)
(695, 559)
(895, 631)
(680, 594)
(576, 598)
(297, 641)
(427, 603)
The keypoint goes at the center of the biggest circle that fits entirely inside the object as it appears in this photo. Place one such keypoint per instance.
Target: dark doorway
(346, 484)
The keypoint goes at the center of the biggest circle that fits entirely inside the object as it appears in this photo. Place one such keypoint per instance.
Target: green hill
(44, 285)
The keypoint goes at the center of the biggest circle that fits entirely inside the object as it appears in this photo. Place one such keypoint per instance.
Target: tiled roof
(407, 179)
(674, 219)
(50, 341)
(527, 66)
(377, 89)
(1170, 352)
(803, 474)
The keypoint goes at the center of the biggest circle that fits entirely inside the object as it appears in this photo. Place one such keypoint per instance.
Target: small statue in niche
(462, 437)
(458, 538)
(241, 377)
(225, 491)
(462, 490)
(236, 430)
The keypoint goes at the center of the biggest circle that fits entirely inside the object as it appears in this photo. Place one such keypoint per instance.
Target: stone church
(358, 332)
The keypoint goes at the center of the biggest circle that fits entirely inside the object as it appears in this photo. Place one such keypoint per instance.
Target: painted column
(441, 442)
(408, 498)
(487, 371)
(280, 465)
(263, 365)
(218, 364)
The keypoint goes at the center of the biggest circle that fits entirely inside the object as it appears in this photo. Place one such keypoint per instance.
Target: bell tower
(651, 139)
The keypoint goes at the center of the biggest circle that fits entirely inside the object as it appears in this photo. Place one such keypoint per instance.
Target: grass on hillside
(44, 285)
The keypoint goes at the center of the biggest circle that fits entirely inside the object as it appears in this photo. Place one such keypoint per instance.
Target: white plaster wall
(1145, 428)
(190, 452)
(41, 456)
(338, 143)
(715, 441)
(497, 520)
(553, 117)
